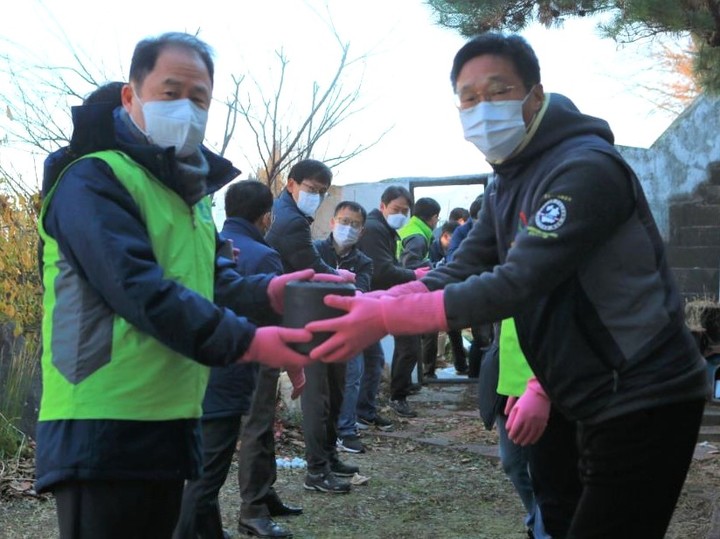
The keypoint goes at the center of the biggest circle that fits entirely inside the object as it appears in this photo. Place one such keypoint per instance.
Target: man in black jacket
(566, 244)
(229, 395)
(379, 242)
(293, 212)
(340, 251)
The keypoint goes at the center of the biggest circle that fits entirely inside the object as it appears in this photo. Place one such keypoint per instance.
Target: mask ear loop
(142, 108)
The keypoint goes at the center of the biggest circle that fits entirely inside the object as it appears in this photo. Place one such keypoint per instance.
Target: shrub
(20, 286)
(21, 311)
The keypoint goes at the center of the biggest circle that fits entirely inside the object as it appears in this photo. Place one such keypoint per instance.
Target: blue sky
(404, 78)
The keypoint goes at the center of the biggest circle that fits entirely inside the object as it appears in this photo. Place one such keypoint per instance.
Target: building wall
(678, 161)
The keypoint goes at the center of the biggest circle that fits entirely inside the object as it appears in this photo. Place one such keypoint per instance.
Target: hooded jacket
(379, 242)
(566, 244)
(105, 245)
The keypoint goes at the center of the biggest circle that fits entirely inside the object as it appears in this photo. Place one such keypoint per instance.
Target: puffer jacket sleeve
(100, 232)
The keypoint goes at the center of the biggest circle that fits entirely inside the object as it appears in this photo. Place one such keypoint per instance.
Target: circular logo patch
(551, 215)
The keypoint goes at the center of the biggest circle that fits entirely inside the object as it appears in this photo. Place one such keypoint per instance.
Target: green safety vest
(413, 227)
(96, 364)
(514, 369)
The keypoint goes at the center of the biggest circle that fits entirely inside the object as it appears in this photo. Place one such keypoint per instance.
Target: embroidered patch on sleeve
(551, 215)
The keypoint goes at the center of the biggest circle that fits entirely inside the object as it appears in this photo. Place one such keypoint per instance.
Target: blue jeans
(514, 460)
(348, 416)
(374, 363)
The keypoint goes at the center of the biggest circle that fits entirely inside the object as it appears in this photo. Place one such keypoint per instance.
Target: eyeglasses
(313, 189)
(347, 222)
(468, 98)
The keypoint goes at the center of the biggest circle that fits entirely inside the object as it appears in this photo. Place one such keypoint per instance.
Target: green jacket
(105, 373)
(514, 369)
(414, 227)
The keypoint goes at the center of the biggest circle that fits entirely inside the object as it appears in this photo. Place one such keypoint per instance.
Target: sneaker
(379, 423)
(430, 375)
(326, 483)
(340, 469)
(350, 444)
(402, 408)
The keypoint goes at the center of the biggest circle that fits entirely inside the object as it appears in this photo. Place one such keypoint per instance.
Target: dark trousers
(482, 337)
(143, 509)
(321, 401)
(370, 382)
(200, 513)
(553, 462)
(632, 469)
(458, 349)
(257, 470)
(429, 351)
(405, 356)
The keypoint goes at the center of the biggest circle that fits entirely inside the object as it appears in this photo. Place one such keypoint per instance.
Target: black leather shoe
(279, 509)
(263, 527)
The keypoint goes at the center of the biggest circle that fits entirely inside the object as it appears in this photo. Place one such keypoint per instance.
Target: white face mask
(496, 127)
(180, 123)
(345, 235)
(308, 203)
(397, 220)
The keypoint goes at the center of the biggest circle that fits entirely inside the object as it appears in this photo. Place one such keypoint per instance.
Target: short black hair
(352, 206)
(449, 227)
(147, 51)
(310, 169)
(458, 213)
(249, 199)
(426, 208)
(394, 192)
(109, 93)
(513, 47)
(476, 206)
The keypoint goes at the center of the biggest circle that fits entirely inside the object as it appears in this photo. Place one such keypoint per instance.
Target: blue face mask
(397, 220)
(496, 128)
(179, 123)
(345, 235)
(308, 203)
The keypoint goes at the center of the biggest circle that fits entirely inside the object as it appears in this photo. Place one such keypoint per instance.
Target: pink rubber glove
(347, 275)
(528, 415)
(276, 287)
(297, 379)
(411, 287)
(421, 272)
(330, 278)
(370, 319)
(270, 347)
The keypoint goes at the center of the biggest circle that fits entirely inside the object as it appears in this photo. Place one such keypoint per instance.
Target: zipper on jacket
(616, 380)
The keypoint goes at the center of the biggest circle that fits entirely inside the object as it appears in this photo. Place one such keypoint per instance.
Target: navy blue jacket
(290, 235)
(230, 388)
(460, 234)
(100, 231)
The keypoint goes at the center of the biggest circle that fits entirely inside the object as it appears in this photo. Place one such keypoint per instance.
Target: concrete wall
(678, 161)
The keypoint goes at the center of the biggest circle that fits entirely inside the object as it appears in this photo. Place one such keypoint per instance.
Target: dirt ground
(435, 476)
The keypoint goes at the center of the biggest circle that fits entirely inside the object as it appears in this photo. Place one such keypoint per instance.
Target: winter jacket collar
(100, 127)
(561, 121)
(238, 225)
(377, 216)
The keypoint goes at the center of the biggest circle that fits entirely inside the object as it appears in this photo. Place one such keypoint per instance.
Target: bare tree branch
(278, 140)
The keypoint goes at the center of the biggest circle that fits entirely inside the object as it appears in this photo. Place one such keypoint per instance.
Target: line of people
(144, 302)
